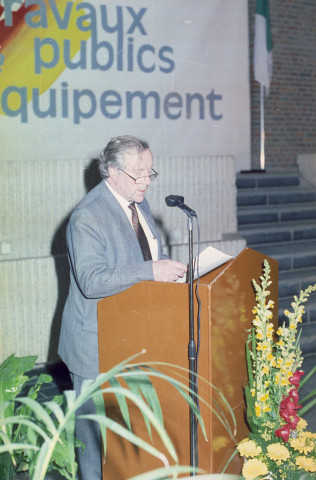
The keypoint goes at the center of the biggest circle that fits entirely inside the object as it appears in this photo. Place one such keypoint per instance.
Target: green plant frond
(140, 382)
(70, 397)
(121, 400)
(100, 409)
(183, 388)
(170, 472)
(123, 432)
(251, 415)
(17, 420)
(308, 396)
(17, 446)
(42, 461)
(229, 460)
(249, 362)
(309, 405)
(306, 378)
(189, 395)
(40, 413)
(56, 410)
(118, 371)
(144, 408)
(4, 405)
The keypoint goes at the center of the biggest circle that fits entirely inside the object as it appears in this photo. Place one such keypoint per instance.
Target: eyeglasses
(151, 176)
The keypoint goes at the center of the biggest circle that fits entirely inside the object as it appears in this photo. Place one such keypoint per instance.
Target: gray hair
(113, 154)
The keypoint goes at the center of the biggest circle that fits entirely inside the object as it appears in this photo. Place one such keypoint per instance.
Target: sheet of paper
(209, 259)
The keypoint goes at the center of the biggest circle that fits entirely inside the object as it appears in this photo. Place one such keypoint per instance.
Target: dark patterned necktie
(143, 242)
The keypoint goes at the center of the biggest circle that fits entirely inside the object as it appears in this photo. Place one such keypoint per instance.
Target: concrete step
(291, 255)
(266, 180)
(285, 232)
(276, 214)
(275, 196)
(291, 283)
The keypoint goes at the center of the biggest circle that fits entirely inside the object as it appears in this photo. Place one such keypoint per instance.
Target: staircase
(277, 216)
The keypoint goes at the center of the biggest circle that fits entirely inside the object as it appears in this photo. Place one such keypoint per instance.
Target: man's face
(137, 165)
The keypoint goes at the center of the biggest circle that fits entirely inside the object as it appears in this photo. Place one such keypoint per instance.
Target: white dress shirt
(152, 241)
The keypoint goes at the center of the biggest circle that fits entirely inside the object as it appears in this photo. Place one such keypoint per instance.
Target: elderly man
(112, 244)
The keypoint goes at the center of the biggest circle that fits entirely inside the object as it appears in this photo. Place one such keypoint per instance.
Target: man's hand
(168, 270)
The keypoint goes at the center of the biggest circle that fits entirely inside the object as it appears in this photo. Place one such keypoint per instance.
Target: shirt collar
(122, 201)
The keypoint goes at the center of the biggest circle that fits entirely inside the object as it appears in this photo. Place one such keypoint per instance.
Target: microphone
(177, 201)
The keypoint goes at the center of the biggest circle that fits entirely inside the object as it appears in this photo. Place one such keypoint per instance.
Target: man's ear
(113, 173)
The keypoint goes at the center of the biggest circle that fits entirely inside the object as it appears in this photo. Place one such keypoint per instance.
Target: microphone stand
(192, 354)
(177, 201)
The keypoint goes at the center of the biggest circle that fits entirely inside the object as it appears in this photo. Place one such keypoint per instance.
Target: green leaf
(249, 362)
(40, 412)
(123, 432)
(12, 376)
(306, 378)
(308, 406)
(100, 409)
(149, 393)
(139, 383)
(17, 446)
(121, 402)
(251, 414)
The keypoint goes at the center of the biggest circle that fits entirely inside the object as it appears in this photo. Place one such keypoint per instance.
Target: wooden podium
(155, 316)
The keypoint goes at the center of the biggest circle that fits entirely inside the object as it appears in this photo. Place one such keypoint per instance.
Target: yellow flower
(280, 331)
(280, 343)
(258, 409)
(266, 408)
(301, 424)
(265, 369)
(264, 397)
(254, 468)
(284, 382)
(300, 445)
(279, 363)
(308, 464)
(270, 304)
(278, 452)
(309, 435)
(249, 449)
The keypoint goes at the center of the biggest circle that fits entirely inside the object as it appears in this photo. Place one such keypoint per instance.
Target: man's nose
(147, 180)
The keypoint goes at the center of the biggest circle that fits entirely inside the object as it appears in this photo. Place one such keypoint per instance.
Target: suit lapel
(122, 222)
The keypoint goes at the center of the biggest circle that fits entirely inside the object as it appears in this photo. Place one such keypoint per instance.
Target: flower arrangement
(278, 446)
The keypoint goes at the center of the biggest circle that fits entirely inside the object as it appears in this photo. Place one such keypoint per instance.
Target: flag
(263, 45)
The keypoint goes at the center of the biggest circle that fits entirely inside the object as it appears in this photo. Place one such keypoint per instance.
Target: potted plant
(279, 445)
(40, 437)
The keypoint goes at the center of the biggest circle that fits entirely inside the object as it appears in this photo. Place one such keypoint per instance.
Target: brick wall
(290, 109)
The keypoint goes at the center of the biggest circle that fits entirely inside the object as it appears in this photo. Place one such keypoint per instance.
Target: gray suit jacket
(105, 258)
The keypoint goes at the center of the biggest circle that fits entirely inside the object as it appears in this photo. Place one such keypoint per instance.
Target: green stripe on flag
(262, 8)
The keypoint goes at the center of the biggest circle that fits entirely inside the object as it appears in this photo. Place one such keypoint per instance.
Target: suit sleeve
(102, 262)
